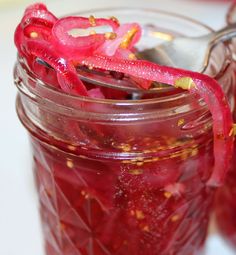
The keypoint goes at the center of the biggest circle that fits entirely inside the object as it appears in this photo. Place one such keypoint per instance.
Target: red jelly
(120, 176)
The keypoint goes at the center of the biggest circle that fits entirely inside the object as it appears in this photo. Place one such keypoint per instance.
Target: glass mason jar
(225, 204)
(124, 176)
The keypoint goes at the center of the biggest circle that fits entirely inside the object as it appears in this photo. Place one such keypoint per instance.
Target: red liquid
(226, 207)
(141, 206)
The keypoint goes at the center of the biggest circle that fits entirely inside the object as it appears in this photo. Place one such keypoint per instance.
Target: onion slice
(37, 11)
(19, 40)
(198, 83)
(37, 22)
(66, 72)
(79, 46)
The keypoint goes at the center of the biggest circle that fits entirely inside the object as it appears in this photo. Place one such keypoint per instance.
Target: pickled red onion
(68, 78)
(96, 93)
(80, 46)
(19, 40)
(110, 47)
(198, 83)
(37, 31)
(128, 34)
(38, 11)
(37, 21)
(35, 7)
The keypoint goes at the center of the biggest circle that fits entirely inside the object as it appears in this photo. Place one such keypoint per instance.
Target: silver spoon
(191, 53)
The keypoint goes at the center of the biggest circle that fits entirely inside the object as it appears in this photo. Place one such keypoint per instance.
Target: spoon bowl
(190, 53)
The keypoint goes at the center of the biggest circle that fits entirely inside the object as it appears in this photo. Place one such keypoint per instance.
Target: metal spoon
(191, 53)
(108, 80)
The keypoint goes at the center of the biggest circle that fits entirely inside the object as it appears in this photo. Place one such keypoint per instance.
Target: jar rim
(153, 10)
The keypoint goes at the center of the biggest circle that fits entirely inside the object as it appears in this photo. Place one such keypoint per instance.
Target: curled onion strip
(79, 46)
(37, 11)
(68, 78)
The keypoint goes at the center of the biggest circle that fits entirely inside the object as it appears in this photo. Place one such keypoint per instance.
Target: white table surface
(19, 221)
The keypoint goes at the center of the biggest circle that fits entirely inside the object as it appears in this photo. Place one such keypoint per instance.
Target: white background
(19, 223)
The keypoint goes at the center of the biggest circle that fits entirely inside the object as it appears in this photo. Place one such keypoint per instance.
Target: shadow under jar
(129, 176)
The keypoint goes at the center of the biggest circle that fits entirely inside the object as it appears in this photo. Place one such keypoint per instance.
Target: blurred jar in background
(225, 199)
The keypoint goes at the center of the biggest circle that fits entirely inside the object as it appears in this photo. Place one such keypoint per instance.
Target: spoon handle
(224, 34)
